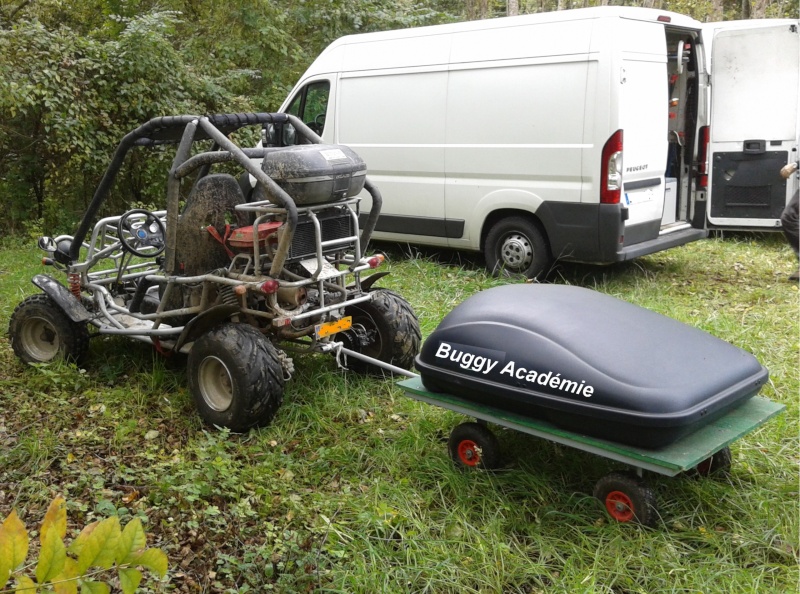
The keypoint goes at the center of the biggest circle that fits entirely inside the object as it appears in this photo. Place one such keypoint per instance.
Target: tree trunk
(716, 10)
(477, 9)
(513, 7)
(745, 9)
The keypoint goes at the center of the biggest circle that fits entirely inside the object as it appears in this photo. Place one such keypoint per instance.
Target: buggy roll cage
(184, 130)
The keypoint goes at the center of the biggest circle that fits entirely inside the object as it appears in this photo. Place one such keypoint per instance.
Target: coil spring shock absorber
(228, 296)
(74, 280)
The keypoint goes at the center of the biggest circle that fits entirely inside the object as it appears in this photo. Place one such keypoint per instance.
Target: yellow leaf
(67, 581)
(77, 545)
(25, 584)
(52, 557)
(132, 541)
(100, 546)
(5, 560)
(55, 519)
(129, 580)
(153, 559)
(14, 543)
(90, 587)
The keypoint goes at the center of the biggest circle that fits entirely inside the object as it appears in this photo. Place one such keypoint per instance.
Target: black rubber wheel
(385, 328)
(516, 245)
(718, 463)
(41, 332)
(627, 498)
(236, 377)
(473, 445)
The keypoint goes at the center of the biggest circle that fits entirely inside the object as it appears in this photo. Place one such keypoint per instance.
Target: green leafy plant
(100, 548)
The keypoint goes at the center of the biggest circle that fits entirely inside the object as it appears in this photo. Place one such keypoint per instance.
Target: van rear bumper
(662, 242)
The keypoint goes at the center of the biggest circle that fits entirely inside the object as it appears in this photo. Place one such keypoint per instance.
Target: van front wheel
(516, 245)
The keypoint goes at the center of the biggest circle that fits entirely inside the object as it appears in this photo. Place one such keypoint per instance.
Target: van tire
(516, 245)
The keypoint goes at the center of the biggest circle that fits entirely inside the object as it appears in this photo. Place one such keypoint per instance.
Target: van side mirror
(276, 135)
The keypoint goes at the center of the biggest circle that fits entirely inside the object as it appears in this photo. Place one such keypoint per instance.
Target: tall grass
(350, 489)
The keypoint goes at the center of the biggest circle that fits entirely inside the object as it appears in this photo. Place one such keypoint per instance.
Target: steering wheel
(142, 233)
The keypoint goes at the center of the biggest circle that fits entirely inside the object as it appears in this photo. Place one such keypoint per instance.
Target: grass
(350, 489)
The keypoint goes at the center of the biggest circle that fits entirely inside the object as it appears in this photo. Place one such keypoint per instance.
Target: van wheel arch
(516, 242)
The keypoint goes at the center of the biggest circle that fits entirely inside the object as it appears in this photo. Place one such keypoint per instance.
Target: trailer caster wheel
(473, 445)
(719, 463)
(627, 498)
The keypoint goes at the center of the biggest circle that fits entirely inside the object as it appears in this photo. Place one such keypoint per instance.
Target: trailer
(625, 495)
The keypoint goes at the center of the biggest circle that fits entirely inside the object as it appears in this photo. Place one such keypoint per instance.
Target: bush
(99, 549)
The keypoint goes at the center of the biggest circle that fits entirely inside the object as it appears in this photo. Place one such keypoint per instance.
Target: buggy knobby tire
(516, 245)
(627, 498)
(236, 377)
(41, 332)
(384, 328)
(472, 445)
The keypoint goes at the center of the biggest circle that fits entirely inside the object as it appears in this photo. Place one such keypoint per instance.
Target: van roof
(625, 12)
(332, 58)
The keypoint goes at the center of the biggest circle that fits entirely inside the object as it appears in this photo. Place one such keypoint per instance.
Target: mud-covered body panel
(588, 362)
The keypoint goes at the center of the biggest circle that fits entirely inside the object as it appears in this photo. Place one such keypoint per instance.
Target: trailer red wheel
(627, 498)
(473, 445)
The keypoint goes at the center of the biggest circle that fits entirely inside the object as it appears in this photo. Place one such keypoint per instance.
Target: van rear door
(755, 82)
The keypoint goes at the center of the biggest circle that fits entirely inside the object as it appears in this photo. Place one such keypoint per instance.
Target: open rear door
(755, 88)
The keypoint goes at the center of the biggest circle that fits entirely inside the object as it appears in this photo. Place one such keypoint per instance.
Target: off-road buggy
(270, 254)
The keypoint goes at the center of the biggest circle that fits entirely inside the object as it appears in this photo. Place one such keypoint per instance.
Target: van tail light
(611, 170)
(702, 165)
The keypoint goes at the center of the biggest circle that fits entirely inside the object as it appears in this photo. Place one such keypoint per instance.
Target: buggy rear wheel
(41, 332)
(473, 445)
(627, 498)
(236, 377)
(384, 328)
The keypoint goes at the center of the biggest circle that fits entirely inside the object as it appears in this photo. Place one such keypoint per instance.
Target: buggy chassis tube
(273, 190)
(378, 363)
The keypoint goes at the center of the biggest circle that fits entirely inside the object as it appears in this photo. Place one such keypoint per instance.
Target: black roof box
(587, 362)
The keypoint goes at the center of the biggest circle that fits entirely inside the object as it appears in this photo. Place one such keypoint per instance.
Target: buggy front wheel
(41, 332)
(236, 377)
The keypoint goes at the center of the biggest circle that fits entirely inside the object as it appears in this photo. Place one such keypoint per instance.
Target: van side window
(311, 104)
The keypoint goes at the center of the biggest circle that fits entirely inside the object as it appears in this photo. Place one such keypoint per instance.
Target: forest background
(77, 75)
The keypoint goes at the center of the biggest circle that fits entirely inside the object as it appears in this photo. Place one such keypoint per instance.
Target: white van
(564, 135)
(755, 126)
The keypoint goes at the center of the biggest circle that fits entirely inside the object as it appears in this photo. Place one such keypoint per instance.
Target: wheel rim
(469, 452)
(216, 384)
(40, 339)
(516, 251)
(620, 506)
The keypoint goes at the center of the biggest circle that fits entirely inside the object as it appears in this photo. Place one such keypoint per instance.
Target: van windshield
(311, 104)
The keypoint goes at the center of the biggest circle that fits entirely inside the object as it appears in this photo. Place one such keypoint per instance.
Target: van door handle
(755, 147)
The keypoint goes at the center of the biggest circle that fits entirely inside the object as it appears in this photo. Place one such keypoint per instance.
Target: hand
(788, 170)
